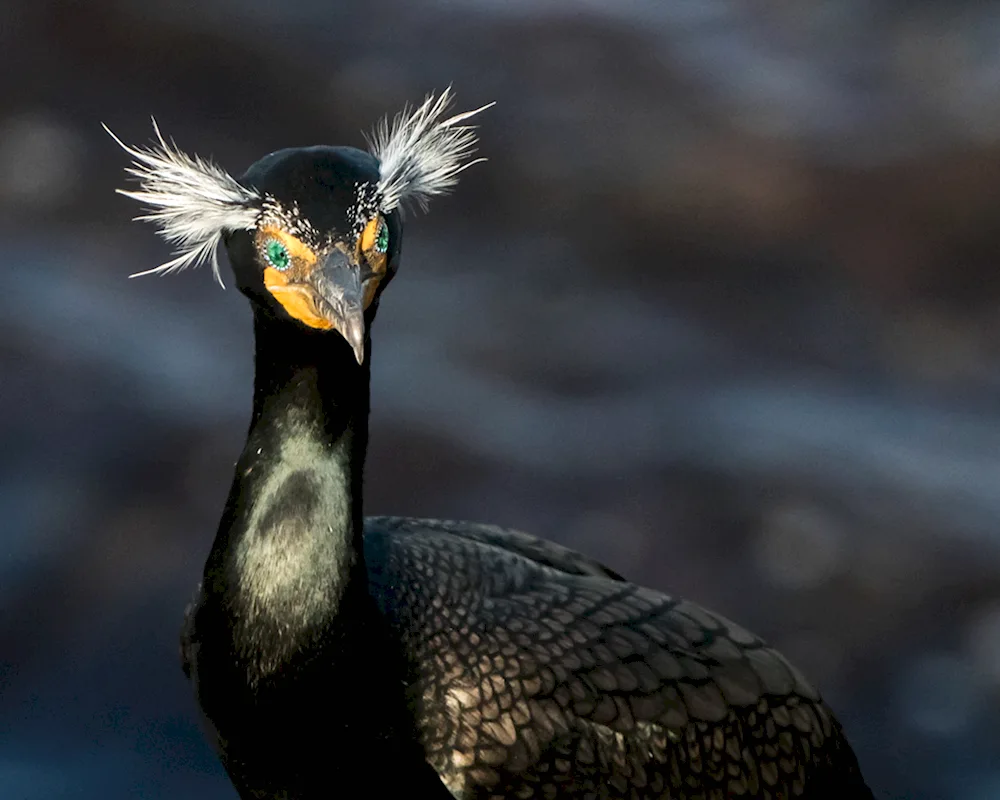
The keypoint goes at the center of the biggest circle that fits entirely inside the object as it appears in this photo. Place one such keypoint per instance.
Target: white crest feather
(191, 201)
(421, 155)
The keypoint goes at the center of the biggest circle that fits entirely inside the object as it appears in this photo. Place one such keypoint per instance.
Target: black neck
(288, 555)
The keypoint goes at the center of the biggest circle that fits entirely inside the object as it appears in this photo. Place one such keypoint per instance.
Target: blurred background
(722, 309)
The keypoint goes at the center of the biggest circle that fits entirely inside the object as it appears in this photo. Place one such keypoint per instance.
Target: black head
(322, 249)
(313, 233)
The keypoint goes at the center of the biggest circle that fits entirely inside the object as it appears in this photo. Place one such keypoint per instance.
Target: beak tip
(355, 335)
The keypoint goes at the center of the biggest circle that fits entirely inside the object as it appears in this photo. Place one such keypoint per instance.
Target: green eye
(277, 255)
(382, 238)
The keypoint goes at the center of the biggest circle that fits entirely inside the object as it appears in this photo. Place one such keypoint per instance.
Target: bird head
(313, 234)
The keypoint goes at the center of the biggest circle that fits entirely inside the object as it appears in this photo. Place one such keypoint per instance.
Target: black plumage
(442, 659)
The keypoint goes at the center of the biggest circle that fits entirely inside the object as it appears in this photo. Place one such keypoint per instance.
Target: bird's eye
(382, 237)
(375, 236)
(277, 254)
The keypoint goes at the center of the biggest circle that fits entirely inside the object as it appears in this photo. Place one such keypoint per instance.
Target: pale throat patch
(287, 565)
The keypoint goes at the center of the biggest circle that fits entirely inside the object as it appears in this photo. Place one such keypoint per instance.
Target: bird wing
(532, 680)
(540, 551)
(190, 646)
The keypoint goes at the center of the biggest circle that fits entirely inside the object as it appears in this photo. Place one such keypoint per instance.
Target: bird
(331, 652)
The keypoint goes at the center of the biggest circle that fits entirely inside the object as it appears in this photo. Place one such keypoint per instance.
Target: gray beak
(340, 299)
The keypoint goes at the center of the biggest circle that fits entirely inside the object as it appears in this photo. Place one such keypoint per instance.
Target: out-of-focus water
(721, 310)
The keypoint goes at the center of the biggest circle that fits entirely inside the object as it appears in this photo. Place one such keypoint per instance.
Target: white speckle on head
(289, 218)
(367, 203)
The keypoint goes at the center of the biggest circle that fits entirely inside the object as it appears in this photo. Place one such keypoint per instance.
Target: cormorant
(386, 657)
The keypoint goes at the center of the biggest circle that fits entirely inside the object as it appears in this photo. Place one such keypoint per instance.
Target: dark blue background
(721, 310)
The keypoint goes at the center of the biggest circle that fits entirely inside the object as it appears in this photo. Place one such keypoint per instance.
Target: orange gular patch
(368, 235)
(376, 260)
(370, 288)
(296, 299)
(289, 286)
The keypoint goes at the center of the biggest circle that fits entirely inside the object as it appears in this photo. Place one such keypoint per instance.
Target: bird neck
(289, 555)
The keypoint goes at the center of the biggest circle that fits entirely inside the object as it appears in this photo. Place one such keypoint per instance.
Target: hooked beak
(340, 299)
(330, 295)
